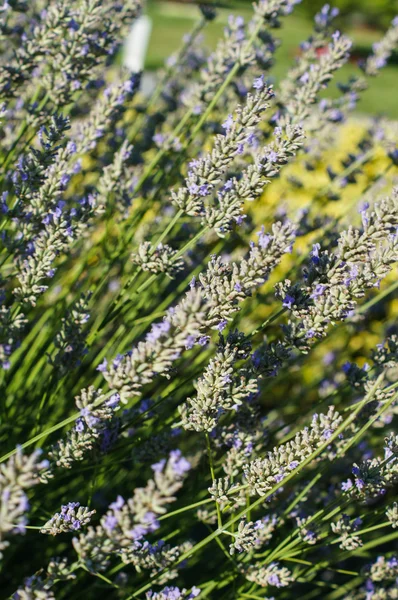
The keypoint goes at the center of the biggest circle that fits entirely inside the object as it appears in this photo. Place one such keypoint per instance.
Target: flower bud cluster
(11, 327)
(271, 574)
(371, 478)
(221, 388)
(392, 515)
(334, 281)
(70, 341)
(246, 538)
(210, 305)
(207, 172)
(123, 529)
(317, 78)
(173, 593)
(231, 50)
(72, 517)
(162, 259)
(39, 586)
(345, 528)
(20, 473)
(251, 182)
(96, 412)
(382, 50)
(309, 49)
(163, 345)
(263, 474)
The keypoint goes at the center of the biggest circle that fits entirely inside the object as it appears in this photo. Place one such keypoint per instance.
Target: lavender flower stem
(212, 473)
(262, 499)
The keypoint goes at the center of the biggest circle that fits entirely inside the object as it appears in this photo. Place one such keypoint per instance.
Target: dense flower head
(197, 295)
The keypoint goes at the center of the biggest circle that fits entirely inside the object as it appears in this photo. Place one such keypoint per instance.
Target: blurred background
(363, 20)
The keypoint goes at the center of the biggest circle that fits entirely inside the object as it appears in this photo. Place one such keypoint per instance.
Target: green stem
(213, 477)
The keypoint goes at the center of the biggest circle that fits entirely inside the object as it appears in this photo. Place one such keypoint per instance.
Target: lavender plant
(198, 382)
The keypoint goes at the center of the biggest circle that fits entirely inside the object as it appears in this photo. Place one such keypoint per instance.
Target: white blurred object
(136, 45)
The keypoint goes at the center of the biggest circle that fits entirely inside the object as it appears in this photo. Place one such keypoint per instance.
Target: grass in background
(172, 20)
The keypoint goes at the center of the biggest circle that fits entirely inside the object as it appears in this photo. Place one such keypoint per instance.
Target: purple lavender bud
(318, 291)
(259, 83)
(222, 325)
(118, 504)
(103, 366)
(288, 301)
(228, 123)
(274, 580)
(110, 522)
(158, 467)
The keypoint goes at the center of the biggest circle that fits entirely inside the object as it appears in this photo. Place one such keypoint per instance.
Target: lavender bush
(194, 405)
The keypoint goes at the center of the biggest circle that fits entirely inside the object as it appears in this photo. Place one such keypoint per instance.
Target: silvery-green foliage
(72, 517)
(263, 474)
(159, 259)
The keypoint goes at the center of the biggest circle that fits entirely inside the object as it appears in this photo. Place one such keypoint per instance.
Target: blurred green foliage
(375, 13)
(172, 20)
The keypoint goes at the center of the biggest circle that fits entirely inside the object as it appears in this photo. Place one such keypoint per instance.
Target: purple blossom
(190, 342)
(222, 325)
(228, 123)
(318, 291)
(103, 366)
(179, 464)
(158, 467)
(263, 238)
(288, 301)
(315, 253)
(346, 485)
(110, 522)
(157, 331)
(273, 579)
(272, 157)
(259, 83)
(118, 504)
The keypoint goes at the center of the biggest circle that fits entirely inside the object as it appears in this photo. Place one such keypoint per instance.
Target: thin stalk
(213, 477)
